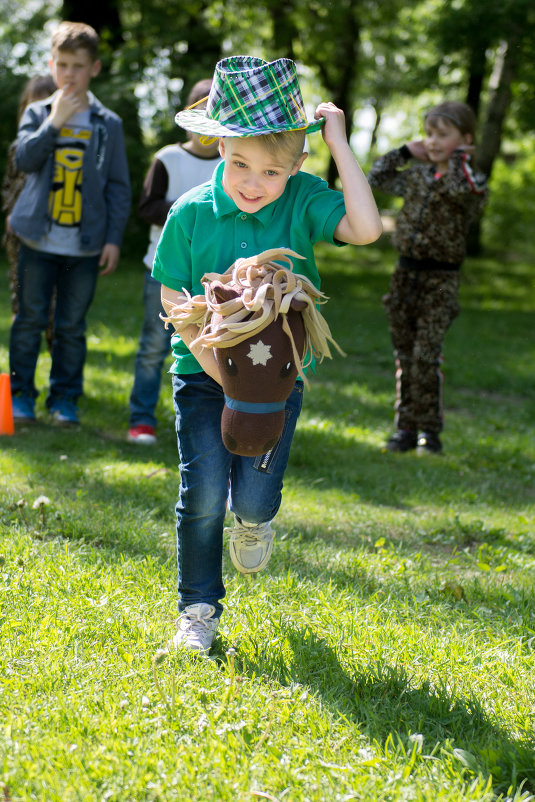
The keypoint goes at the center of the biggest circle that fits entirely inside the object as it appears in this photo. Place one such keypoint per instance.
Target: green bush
(508, 219)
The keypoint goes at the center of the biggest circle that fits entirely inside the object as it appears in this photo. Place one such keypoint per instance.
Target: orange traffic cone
(6, 408)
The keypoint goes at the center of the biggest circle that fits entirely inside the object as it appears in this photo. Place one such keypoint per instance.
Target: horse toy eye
(286, 370)
(230, 366)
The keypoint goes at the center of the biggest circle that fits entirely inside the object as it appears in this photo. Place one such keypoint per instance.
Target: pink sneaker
(142, 434)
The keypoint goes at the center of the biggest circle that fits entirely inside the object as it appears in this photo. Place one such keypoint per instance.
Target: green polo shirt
(205, 232)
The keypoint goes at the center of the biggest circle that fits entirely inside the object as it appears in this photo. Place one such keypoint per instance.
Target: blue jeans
(210, 475)
(154, 345)
(75, 279)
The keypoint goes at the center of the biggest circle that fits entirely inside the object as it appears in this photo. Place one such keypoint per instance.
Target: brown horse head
(258, 375)
(262, 321)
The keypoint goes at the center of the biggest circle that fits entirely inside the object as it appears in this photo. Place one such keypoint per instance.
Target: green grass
(388, 650)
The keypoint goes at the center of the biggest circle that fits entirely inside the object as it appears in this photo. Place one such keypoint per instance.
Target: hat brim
(196, 121)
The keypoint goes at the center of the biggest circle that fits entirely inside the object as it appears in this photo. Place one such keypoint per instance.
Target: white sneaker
(250, 546)
(196, 628)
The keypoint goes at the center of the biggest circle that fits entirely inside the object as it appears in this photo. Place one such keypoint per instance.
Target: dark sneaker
(23, 408)
(429, 443)
(402, 440)
(64, 412)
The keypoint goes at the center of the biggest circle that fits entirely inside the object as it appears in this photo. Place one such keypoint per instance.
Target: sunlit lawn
(386, 653)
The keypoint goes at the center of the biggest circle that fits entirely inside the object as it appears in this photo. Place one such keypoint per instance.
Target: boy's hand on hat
(334, 129)
(418, 150)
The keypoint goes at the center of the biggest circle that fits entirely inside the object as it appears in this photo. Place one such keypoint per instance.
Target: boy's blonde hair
(460, 114)
(71, 36)
(291, 143)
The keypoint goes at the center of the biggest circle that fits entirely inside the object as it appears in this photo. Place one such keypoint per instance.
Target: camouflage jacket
(437, 209)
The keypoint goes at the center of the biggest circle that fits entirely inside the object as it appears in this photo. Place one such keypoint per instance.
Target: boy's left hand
(109, 258)
(334, 128)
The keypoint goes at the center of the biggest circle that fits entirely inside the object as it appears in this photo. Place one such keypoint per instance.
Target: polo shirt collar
(224, 205)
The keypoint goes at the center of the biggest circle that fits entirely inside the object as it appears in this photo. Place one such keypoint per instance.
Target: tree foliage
(389, 56)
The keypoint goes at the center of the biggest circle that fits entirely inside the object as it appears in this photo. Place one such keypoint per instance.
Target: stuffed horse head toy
(262, 321)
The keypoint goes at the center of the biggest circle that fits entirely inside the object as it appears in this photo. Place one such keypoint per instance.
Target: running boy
(69, 217)
(257, 199)
(441, 195)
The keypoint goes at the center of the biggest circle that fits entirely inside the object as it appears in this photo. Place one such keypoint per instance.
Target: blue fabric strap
(256, 408)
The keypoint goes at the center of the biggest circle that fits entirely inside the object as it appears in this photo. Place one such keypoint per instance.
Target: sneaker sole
(143, 439)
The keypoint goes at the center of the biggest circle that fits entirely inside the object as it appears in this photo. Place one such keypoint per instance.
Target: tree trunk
(476, 73)
(341, 90)
(284, 29)
(102, 15)
(375, 133)
(491, 134)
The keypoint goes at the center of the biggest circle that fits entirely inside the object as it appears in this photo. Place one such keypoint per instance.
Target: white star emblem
(259, 353)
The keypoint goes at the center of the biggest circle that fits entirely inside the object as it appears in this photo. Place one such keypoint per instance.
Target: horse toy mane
(260, 304)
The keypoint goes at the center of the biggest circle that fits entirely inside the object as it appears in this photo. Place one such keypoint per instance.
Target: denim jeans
(75, 279)
(210, 475)
(154, 345)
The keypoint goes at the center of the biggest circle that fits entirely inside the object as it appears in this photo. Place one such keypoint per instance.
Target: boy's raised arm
(361, 223)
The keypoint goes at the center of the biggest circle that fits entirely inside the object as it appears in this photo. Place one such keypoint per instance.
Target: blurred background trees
(384, 61)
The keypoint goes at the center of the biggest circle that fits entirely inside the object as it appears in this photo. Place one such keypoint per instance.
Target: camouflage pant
(421, 306)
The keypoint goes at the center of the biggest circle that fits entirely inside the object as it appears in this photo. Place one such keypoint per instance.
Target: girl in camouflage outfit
(441, 195)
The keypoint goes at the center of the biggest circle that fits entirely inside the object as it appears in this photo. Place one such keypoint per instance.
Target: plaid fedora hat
(249, 97)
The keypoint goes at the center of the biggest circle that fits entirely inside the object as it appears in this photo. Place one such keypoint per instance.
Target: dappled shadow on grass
(391, 480)
(452, 536)
(504, 610)
(497, 278)
(385, 704)
(86, 498)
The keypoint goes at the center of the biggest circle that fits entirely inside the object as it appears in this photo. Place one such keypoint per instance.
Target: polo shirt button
(243, 245)
(243, 217)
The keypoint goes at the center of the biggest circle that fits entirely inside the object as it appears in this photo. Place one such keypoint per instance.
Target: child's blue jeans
(209, 476)
(75, 279)
(154, 345)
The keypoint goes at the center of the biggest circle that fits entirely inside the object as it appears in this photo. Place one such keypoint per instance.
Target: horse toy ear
(299, 306)
(223, 292)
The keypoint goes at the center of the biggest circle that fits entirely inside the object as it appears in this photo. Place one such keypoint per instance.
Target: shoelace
(250, 536)
(247, 540)
(195, 621)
